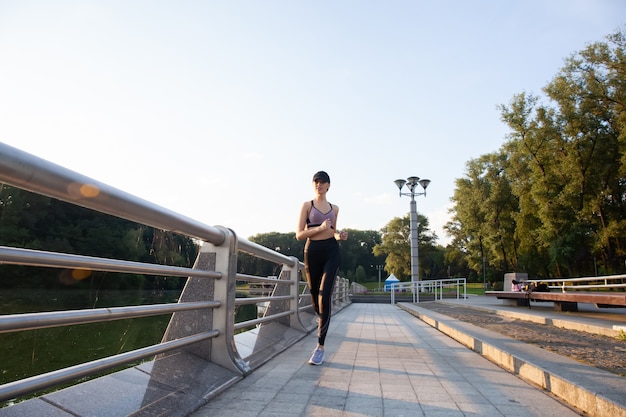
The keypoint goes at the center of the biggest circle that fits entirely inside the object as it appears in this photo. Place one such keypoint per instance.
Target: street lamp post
(379, 268)
(411, 183)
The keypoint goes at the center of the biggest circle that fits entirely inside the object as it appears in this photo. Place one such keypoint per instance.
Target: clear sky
(224, 110)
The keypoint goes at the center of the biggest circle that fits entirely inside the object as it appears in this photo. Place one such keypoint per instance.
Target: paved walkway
(382, 361)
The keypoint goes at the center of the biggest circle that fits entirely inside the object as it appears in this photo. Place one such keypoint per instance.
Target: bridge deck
(382, 361)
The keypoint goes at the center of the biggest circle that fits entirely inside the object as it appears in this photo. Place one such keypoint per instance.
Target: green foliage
(42, 350)
(33, 221)
(284, 243)
(552, 200)
(396, 247)
(37, 222)
(359, 275)
(356, 252)
(364, 250)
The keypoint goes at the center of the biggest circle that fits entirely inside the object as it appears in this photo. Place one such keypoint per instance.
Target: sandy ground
(603, 352)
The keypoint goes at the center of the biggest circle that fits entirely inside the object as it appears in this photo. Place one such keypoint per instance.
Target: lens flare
(89, 190)
(80, 274)
(78, 190)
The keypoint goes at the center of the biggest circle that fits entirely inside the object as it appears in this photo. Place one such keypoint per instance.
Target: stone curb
(593, 391)
(565, 323)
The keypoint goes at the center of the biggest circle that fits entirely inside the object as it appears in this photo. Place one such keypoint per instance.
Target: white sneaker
(317, 357)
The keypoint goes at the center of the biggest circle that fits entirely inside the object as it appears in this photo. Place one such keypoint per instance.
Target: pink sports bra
(316, 217)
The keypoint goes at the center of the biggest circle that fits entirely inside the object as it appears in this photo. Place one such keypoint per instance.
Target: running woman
(318, 225)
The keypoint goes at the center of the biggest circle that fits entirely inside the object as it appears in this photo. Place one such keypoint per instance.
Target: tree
(553, 198)
(285, 243)
(590, 94)
(359, 275)
(33, 221)
(568, 160)
(468, 224)
(355, 252)
(396, 245)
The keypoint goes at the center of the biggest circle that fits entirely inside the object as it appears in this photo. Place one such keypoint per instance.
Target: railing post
(464, 288)
(416, 291)
(188, 323)
(294, 291)
(340, 287)
(343, 293)
(224, 351)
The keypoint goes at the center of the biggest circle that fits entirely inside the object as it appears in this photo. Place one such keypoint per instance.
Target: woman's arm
(339, 235)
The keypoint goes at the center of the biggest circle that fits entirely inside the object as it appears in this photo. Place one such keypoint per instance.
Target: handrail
(430, 286)
(30, 257)
(256, 300)
(253, 278)
(563, 283)
(29, 172)
(38, 382)
(580, 279)
(31, 321)
(210, 283)
(246, 324)
(266, 254)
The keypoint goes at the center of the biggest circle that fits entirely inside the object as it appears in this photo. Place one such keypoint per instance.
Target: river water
(32, 352)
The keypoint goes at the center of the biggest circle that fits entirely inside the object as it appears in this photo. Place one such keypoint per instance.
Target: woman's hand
(327, 224)
(343, 235)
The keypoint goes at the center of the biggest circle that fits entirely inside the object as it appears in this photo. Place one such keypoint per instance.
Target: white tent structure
(391, 279)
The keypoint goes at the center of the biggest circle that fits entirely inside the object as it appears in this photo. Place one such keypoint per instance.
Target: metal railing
(584, 283)
(356, 288)
(202, 324)
(439, 287)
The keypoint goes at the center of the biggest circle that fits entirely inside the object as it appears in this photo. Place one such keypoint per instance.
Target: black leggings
(321, 261)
